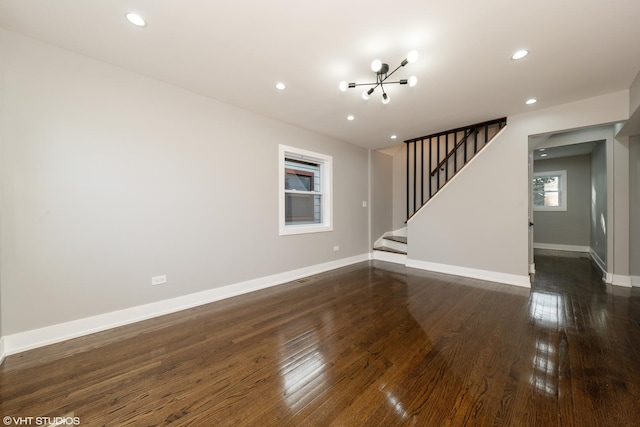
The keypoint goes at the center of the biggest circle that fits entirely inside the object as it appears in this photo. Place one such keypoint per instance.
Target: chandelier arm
(389, 74)
(366, 84)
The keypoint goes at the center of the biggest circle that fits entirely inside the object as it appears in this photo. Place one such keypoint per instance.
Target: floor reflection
(544, 309)
(302, 364)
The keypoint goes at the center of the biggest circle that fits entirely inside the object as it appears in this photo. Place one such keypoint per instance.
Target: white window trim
(326, 177)
(563, 191)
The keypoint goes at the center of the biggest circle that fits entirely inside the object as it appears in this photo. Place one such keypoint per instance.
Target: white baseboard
(491, 276)
(22, 341)
(599, 262)
(2, 352)
(635, 281)
(568, 248)
(621, 280)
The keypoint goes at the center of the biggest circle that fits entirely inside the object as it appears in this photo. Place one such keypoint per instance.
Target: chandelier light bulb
(413, 80)
(412, 56)
(365, 95)
(343, 86)
(385, 98)
(376, 65)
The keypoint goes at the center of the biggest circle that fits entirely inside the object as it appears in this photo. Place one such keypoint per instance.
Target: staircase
(392, 247)
(432, 161)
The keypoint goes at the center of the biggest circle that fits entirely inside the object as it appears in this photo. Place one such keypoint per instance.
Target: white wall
(599, 211)
(485, 233)
(400, 187)
(634, 212)
(382, 203)
(618, 173)
(572, 226)
(110, 178)
(634, 94)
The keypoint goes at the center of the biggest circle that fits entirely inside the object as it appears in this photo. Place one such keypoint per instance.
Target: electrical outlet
(336, 248)
(158, 280)
(364, 203)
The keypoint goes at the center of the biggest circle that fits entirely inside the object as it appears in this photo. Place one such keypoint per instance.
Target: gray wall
(382, 209)
(466, 225)
(470, 227)
(110, 178)
(634, 202)
(599, 200)
(570, 227)
(400, 188)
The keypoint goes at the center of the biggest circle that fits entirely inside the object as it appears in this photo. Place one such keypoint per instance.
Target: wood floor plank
(369, 344)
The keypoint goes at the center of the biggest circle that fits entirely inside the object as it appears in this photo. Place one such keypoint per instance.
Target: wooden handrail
(501, 122)
(450, 153)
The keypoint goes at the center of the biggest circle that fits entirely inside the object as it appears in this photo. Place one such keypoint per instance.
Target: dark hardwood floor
(370, 344)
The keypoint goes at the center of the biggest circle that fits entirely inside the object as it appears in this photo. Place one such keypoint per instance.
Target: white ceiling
(235, 51)
(564, 151)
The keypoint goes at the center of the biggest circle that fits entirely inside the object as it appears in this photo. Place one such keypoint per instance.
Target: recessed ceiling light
(542, 149)
(544, 155)
(351, 118)
(280, 86)
(520, 54)
(394, 136)
(531, 101)
(135, 19)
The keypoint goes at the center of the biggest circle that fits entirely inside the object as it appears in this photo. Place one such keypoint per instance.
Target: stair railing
(446, 154)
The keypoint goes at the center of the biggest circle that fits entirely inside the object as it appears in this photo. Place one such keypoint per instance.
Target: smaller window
(305, 191)
(550, 191)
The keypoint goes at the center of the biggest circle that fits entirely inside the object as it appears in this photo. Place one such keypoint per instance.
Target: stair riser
(390, 257)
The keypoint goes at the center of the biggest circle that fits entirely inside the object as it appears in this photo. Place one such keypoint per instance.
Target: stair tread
(400, 239)
(385, 249)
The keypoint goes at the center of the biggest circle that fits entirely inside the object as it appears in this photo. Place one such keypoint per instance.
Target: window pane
(552, 198)
(538, 184)
(538, 198)
(546, 183)
(298, 180)
(552, 184)
(302, 176)
(303, 209)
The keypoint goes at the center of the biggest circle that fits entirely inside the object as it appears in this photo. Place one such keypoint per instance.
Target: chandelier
(382, 74)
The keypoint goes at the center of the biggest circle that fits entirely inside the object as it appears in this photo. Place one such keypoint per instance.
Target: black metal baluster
(438, 165)
(455, 153)
(475, 141)
(408, 180)
(415, 173)
(421, 172)
(430, 166)
(486, 134)
(446, 165)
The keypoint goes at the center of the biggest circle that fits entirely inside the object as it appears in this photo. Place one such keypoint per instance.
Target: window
(550, 191)
(305, 191)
